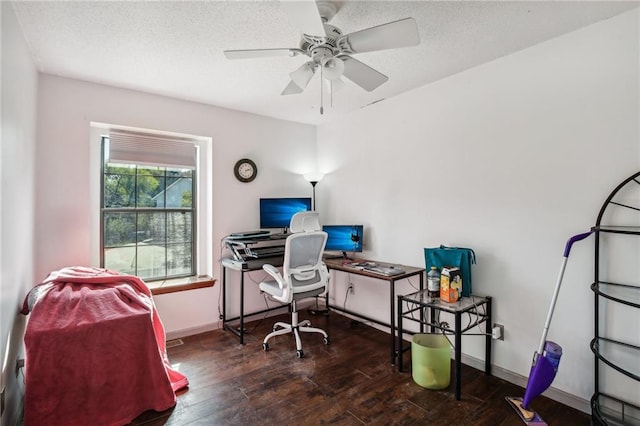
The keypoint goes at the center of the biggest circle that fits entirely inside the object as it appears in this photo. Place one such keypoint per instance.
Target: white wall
(511, 158)
(65, 221)
(19, 87)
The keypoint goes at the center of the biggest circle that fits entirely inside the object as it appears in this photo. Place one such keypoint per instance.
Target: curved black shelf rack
(607, 409)
(608, 291)
(599, 348)
(610, 203)
(610, 410)
(629, 230)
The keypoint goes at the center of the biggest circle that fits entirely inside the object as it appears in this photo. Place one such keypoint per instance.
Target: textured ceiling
(175, 48)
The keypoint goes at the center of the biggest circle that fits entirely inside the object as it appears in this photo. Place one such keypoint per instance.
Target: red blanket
(95, 350)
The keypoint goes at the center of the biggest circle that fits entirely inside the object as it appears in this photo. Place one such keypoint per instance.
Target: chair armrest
(275, 273)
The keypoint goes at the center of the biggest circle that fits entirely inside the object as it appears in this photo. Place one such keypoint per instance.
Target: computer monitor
(277, 212)
(344, 238)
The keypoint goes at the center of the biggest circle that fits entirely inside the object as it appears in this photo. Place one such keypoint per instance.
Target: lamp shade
(313, 177)
(302, 75)
(333, 68)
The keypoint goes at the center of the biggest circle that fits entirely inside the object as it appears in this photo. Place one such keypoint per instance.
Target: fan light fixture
(302, 75)
(331, 50)
(333, 68)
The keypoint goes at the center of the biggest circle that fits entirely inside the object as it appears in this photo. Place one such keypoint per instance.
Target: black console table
(242, 260)
(477, 307)
(407, 271)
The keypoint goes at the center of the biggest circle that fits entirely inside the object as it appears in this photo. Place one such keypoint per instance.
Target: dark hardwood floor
(349, 382)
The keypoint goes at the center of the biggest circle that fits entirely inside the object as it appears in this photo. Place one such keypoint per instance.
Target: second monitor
(344, 238)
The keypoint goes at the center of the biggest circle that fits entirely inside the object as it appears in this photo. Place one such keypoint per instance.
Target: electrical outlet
(497, 332)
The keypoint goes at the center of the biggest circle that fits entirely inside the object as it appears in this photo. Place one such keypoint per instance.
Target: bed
(94, 350)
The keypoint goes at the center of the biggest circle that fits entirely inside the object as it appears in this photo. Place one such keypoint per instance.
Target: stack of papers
(385, 270)
(375, 268)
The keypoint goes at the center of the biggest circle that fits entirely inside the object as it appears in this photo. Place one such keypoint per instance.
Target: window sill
(181, 284)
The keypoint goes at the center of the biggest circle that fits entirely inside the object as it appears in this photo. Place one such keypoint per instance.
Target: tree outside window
(148, 220)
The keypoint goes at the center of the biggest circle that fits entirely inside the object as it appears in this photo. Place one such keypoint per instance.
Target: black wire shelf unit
(616, 289)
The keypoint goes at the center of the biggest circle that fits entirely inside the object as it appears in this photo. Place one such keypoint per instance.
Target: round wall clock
(245, 170)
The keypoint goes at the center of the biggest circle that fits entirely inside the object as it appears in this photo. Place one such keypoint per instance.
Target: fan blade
(261, 53)
(361, 74)
(400, 33)
(305, 16)
(302, 75)
(291, 89)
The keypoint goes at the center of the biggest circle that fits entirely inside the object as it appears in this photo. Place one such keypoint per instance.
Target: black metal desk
(418, 302)
(243, 267)
(410, 271)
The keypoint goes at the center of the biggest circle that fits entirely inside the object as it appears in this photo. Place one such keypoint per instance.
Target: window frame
(194, 216)
(205, 202)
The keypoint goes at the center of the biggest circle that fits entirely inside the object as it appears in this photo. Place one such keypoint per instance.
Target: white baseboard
(519, 380)
(190, 331)
(178, 334)
(511, 377)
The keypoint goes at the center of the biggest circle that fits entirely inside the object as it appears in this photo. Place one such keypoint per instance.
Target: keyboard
(248, 234)
(279, 236)
(333, 256)
(261, 252)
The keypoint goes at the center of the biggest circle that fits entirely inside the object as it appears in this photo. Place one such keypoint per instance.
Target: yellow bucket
(431, 361)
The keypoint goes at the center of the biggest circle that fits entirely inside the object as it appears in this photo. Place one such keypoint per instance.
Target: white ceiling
(175, 48)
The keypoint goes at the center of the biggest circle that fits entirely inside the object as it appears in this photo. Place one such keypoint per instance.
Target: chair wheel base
(300, 354)
(326, 340)
(265, 346)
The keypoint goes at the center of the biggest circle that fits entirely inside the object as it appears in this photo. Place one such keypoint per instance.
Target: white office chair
(304, 275)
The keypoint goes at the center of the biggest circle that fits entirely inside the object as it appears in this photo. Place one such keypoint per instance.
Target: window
(148, 206)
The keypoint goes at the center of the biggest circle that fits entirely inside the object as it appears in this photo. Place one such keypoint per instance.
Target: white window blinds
(154, 150)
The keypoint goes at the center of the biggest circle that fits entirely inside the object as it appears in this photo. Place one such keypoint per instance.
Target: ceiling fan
(330, 50)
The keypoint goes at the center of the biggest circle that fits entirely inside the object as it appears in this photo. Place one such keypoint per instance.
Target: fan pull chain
(321, 90)
(331, 92)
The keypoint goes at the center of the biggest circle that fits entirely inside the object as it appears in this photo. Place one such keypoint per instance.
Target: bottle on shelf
(433, 282)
